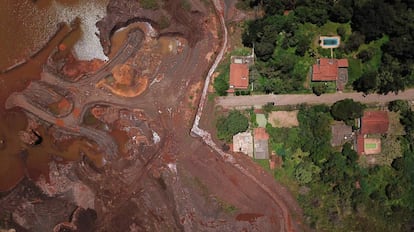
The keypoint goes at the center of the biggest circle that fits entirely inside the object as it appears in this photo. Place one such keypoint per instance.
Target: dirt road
(294, 99)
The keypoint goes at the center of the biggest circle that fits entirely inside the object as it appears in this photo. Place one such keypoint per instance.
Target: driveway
(294, 99)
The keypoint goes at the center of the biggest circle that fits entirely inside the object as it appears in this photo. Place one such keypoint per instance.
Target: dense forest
(377, 38)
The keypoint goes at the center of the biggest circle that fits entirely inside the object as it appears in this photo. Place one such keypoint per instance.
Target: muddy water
(26, 27)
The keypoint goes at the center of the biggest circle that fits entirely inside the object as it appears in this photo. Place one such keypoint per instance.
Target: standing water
(29, 31)
(27, 25)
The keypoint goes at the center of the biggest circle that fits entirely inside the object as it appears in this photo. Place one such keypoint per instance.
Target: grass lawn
(354, 70)
(264, 163)
(370, 146)
(374, 63)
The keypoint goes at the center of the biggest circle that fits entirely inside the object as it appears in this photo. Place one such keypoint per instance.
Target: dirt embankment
(177, 184)
(169, 18)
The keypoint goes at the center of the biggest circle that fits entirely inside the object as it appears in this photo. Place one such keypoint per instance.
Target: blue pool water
(330, 42)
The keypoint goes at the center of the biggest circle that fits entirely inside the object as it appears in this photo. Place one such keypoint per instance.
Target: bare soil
(284, 118)
(174, 184)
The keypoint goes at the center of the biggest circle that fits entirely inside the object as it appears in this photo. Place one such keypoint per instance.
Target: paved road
(294, 99)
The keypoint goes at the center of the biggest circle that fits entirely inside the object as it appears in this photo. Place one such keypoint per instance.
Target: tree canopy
(347, 109)
(228, 126)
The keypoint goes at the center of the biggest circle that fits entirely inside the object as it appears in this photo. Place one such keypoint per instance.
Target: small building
(341, 133)
(331, 70)
(261, 143)
(372, 123)
(243, 142)
(239, 77)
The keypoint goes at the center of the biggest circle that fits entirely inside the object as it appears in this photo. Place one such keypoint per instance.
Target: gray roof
(261, 149)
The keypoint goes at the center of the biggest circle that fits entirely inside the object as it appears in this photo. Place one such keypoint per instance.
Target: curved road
(83, 94)
(296, 99)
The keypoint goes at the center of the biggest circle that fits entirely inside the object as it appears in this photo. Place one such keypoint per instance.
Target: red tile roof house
(372, 122)
(239, 77)
(331, 70)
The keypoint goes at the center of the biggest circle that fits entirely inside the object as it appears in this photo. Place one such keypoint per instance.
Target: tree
(228, 126)
(264, 50)
(399, 105)
(341, 30)
(221, 85)
(354, 41)
(390, 82)
(346, 110)
(367, 83)
(305, 172)
(340, 14)
(302, 46)
(366, 55)
(319, 88)
(349, 153)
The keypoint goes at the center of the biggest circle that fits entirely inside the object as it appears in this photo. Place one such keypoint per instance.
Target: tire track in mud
(206, 136)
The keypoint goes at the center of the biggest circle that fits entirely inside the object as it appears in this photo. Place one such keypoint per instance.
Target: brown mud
(162, 179)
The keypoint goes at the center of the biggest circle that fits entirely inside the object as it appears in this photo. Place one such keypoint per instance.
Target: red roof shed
(374, 122)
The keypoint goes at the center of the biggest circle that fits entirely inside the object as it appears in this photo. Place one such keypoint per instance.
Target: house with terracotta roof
(372, 123)
(331, 70)
(239, 72)
(239, 77)
(261, 143)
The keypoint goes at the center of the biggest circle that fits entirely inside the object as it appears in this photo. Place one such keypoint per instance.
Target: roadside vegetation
(227, 126)
(376, 37)
(221, 82)
(335, 189)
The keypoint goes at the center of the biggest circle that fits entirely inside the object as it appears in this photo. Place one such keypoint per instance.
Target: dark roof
(374, 122)
(340, 134)
(261, 149)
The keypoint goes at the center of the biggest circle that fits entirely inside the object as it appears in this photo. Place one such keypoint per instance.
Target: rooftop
(341, 133)
(243, 142)
(239, 76)
(260, 134)
(374, 122)
(327, 69)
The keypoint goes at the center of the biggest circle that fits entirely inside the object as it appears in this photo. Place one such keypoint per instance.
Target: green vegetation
(149, 4)
(374, 39)
(399, 106)
(335, 191)
(234, 123)
(347, 110)
(221, 82)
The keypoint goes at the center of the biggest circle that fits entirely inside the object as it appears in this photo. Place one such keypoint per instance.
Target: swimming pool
(330, 42)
